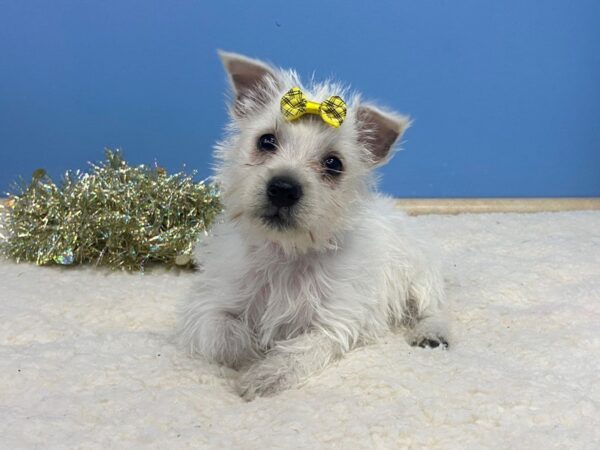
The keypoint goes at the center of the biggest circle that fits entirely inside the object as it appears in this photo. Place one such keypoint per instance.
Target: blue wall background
(505, 94)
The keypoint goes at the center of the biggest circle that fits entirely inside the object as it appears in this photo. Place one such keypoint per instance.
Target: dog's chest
(282, 298)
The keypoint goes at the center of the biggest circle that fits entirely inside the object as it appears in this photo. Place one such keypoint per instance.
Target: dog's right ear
(248, 78)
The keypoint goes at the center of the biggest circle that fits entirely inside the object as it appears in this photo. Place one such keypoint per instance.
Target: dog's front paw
(265, 378)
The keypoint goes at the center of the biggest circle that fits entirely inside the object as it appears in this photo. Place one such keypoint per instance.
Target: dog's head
(296, 183)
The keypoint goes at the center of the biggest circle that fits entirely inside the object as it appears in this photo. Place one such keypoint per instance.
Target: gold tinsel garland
(115, 215)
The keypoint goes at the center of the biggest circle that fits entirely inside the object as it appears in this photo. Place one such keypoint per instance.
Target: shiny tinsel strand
(115, 215)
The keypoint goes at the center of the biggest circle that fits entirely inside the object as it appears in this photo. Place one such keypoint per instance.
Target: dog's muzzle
(283, 192)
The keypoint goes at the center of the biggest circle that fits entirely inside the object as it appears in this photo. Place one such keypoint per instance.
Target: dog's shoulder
(379, 232)
(380, 212)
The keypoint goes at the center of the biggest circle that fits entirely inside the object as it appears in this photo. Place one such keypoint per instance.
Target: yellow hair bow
(294, 105)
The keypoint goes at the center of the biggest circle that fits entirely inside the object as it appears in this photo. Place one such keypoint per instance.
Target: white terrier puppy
(307, 261)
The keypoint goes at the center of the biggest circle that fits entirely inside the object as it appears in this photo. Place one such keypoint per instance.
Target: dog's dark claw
(432, 343)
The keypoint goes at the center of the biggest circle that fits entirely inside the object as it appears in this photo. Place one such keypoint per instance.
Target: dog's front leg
(288, 364)
(218, 337)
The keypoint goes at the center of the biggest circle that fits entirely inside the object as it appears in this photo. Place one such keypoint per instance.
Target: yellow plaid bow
(294, 105)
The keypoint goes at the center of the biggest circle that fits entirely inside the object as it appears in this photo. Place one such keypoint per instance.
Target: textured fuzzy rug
(85, 358)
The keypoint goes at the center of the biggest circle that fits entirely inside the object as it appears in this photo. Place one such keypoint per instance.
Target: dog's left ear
(378, 131)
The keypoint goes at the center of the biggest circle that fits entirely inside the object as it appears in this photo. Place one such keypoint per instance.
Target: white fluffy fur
(280, 305)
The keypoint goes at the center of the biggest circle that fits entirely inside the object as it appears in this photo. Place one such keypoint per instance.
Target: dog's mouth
(280, 219)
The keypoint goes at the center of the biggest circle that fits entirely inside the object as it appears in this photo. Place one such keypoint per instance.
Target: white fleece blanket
(86, 362)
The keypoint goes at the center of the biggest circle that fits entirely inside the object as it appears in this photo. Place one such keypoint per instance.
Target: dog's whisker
(229, 191)
(237, 215)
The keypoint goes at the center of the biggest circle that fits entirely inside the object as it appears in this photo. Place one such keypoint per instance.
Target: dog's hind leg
(425, 314)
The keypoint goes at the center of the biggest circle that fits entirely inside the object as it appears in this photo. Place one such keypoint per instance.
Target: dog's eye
(333, 166)
(267, 143)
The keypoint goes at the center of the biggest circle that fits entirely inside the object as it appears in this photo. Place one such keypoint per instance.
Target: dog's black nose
(283, 191)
